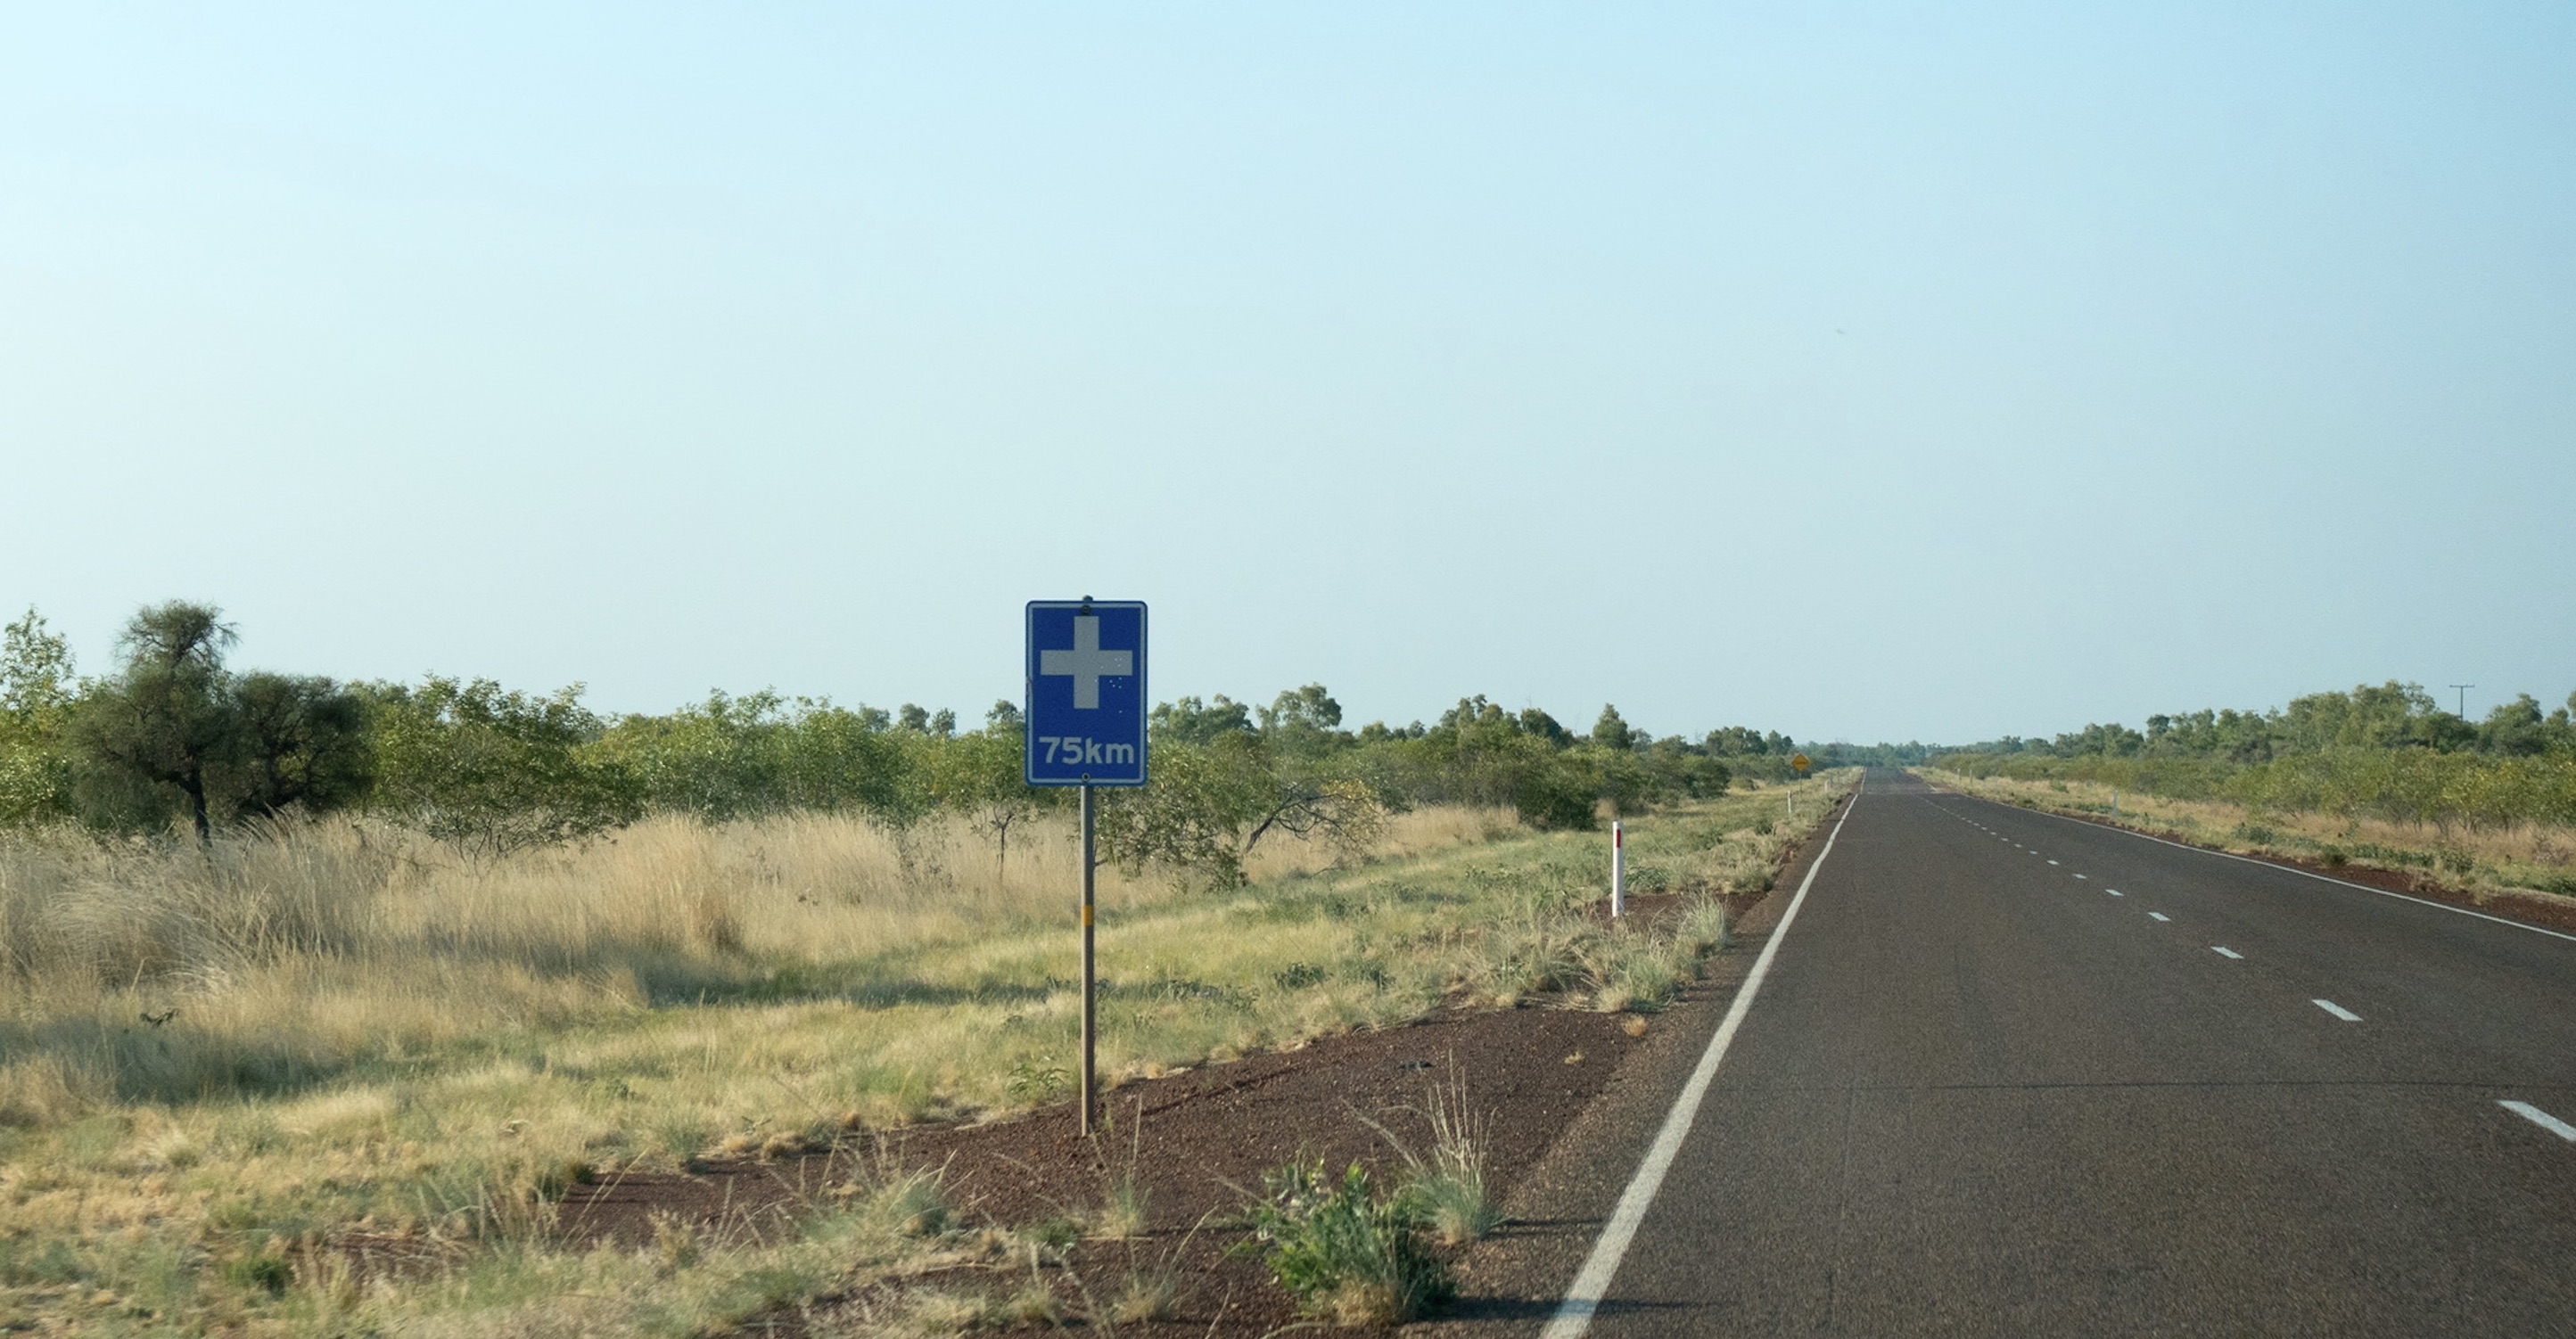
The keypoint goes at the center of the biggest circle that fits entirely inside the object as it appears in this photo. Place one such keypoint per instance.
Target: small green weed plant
(1348, 1251)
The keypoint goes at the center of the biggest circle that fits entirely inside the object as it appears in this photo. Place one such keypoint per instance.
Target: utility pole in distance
(2464, 698)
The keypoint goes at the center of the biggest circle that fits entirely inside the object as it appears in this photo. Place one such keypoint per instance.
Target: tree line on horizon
(2387, 750)
(174, 741)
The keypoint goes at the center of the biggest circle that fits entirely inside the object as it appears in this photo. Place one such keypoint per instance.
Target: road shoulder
(1512, 1282)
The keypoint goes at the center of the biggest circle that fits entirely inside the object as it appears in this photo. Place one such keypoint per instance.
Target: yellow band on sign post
(1086, 915)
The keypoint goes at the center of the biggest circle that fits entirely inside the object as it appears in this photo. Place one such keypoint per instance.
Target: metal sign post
(1090, 976)
(1086, 728)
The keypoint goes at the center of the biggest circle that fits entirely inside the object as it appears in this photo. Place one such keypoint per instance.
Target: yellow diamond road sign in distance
(1802, 763)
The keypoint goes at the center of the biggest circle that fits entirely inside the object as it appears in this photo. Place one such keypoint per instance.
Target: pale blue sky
(1907, 371)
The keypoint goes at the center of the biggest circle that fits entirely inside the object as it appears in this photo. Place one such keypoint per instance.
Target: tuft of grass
(1448, 1189)
(1031, 1304)
(676, 1241)
(1122, 1213)
(1702, 928)
(1145, 1295)
(1125, 1200)
(938, 1311)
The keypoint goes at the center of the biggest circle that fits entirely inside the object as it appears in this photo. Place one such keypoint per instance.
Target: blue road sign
(1086, 716)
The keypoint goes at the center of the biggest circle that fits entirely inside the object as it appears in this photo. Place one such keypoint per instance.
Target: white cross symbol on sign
(1086, 662)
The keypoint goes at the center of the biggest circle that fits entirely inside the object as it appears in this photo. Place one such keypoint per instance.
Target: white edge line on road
(2293, 869)
(2337, 1010)
(1584, 1295)
(2225, 952)
(2542, 1119)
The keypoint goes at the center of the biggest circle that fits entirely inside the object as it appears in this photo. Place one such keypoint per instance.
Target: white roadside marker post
(1618, 871)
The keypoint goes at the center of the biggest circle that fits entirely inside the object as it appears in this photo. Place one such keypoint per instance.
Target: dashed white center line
(2079, 876)
(2115, 892)
(2337, 1010)
(2158, 915)
(2225, 952)
(2052, 862)
(2542, 1119)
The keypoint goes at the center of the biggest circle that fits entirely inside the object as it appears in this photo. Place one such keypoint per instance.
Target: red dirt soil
(1198, 1143)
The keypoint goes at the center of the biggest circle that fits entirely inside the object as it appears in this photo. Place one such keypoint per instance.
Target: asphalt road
(2002, 1080)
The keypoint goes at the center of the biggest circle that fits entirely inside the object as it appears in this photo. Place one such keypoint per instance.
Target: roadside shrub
(1346, 1251)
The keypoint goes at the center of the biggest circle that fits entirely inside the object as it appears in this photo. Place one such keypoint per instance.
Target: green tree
(840, 759)
(2560, 729)
(2515, 728)
(301, 743)
(164, 723)
(983, 773)
(491, 771)
(1612, 731)
(1219, 786)
(1480, 754)
(1191, 721)
(721, 759)
(36, 688)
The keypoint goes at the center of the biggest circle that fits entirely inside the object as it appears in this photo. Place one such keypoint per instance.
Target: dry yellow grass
(356, 1031)
(2487, 861)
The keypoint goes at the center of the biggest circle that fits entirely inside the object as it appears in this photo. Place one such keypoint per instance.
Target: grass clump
(1447, 1189)
(1145, 1295)
(1346, 1250)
